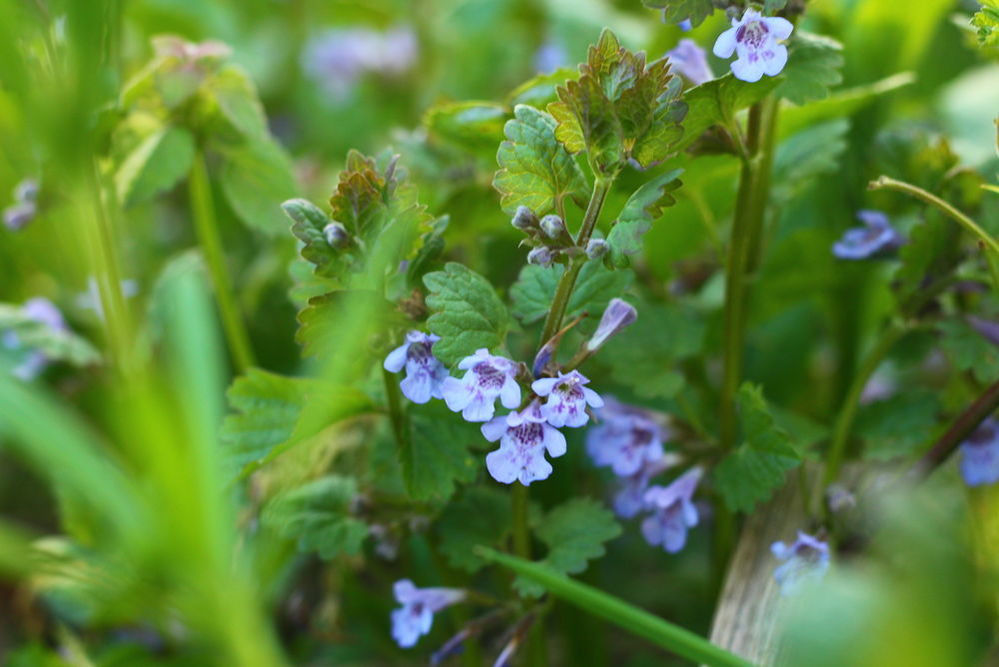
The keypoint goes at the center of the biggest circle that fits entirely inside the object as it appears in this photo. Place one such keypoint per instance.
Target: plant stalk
(960, 430)
(206, 225)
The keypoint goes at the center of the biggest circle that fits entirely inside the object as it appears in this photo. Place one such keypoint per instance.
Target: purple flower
(672, 512)
(542, 256)
(17, 216)
(567, 399)
(980, 455)
(876, 236)
(807, 559)
(549, 57)
(626, 439)
(488, 377)
(988, 328)
(524, 438)
(618, 315)
(419, 605)
(336, 59)
(44, 312)
(27, 190)
(630, 498)
(685, 25)
(754, 39)
(691, 61)
(424, 372)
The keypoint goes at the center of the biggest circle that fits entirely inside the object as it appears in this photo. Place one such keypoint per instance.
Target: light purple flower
(419, 605)
(424, 372)
(630, 498)
(524, 438)
(44, 312)
(18, 216)
(337, 58)
(988, 328)
(488, 377)
(754, 39)
(618, 315)
(568, 397)
(685, 25)
(549, 57)
(876, 236)
(626, 438)
(672, 512)
(691, 61)
(807, 558)
(980, 455)
(542, 256)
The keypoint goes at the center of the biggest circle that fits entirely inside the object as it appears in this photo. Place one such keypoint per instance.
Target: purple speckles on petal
(806, 559)
(419, 605)
(487, 378)
(877, 236)
(673, 512)
(424, 372)
(980, 455)
(625, 440)
(567, 399)
(753, 38)
(524, 439)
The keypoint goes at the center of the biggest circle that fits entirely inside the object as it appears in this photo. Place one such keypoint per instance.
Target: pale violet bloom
(980, 455)
(691, 62)
(568, 397)
(618, 315)
(626, 439)
(424, 371)
(807, 559)
(685, 25)
(34, 362)
(875, 237)
(336, 59)
(18, 216)
(419, 605)
(673, 512)
(754, 39)
(549, 57)
(524, 438)
(630, 498)
(475, 395)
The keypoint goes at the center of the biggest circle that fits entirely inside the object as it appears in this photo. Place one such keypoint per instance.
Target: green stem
(211, 246)
(848, 410)
(521, 531)
(761, 190)
(914, 191)
(400, 429)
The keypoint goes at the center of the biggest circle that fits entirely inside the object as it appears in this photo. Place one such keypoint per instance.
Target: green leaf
(628, 617)
(771, 7)
(535, 169)
(256, 179)
(437, 455)
(645, 356)
(309, 223)
(676, 11)
(155, 165)
(532, 294)
(480, 517)
(645, 205)
(266, 409)
(317, 516)
(238, 102)
(321, 324)
(539, 91)
(467, 313)
(813, 65)
(472, 125)
(801, 158)
(56, 345)
(716, 102)
(619, 108)
(933, 249)
(986, 20)
(574, 533)
(899, 425)
(968, 350)
(756, 469)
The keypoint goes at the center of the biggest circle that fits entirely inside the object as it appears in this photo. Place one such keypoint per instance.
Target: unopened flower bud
(618, 315)
(524, 219)
(17, 216)
(336, 235)
(542, 256)
(597, 248)
(552, 226)
(26, 191)
(839, 498)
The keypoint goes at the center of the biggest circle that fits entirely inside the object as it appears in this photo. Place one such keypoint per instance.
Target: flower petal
(494, 429)
(780, 28)
(510, 393)
(544, 386)
(774, 60)
(725, 44)
(747, 71)
(554, 441)
(396, 359)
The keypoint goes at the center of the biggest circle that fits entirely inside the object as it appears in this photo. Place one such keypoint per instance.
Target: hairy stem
(206, 225)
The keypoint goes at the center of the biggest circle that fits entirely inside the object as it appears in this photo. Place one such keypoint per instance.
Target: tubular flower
(524, 438)
(625, 440)
(419, 605)
(876, 236)
(807, 558)
(488, 377)
(567, 399)
(691, 61)
(672, 512)
(754, 39)
(424, 372)
(980, 455)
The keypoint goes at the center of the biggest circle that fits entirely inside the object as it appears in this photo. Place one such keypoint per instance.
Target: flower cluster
(806, 559)
(630, 442)
(876, 237)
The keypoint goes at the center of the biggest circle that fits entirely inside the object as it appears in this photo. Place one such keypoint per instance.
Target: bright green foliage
(619, 108)
(467, 313)
(158, 163)
(256, 178)
(472, 125)
(645, 205)
(715, 102)
(650, 369)
(813, 66)
(317, 516)
(437, 455)
(803, 157)
(267, 408)
(676, 11)
(309, 223)
(535, 170)
(968, 350)
(534, 290)
(479, 517)
(756, 469)
(574, 533)
(898, 426)
(986, 20)
(55, 345)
